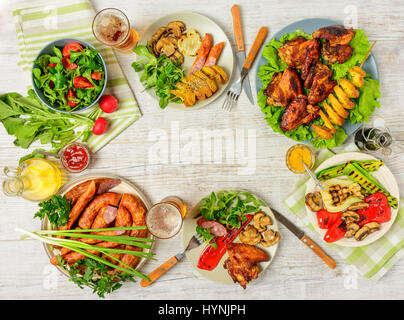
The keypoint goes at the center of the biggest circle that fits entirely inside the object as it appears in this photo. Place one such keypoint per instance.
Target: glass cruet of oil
(35, 179)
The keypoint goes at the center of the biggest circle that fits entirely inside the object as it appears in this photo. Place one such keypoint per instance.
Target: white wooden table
(295, 273)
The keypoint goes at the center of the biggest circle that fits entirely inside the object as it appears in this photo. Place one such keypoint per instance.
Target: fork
(234, 92)
(195, 241)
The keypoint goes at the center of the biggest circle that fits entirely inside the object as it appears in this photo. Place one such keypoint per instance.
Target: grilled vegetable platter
(94, 231)
(241, 237)
(358, 201)
(184, 60)
(311, 85)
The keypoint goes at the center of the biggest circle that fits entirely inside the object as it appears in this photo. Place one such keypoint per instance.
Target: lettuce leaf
(367, 102)
(338, 139)
(360, 46)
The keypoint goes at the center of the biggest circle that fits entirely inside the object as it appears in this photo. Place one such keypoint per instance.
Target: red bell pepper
(326, 219)
(336, 232)
(82, 83)
(96, 75)
(378, 210)
(71, 94)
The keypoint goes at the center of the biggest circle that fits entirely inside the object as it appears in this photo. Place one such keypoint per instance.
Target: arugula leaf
(57, 209)
(206, 235)
(159, 74)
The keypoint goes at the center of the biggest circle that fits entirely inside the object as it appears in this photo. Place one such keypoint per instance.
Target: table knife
(238, 35)
(305, 239)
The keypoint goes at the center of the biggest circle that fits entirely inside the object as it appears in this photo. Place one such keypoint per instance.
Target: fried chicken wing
(283, 88)
(242, 262)
(297, 113)
(336, 35)
(291, 54)
(337, 53)
(321, 85)
(312, 55)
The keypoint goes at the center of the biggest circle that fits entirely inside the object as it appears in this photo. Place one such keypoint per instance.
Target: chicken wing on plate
(242, 262)
(297, 113)
(300, 53)
(337, 53)
(283, 88)
(336, 35)
(322, 85)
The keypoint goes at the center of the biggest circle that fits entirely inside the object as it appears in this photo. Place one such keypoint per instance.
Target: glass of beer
(164, 219)
(112, 28)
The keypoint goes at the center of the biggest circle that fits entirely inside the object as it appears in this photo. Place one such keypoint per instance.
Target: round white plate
(383, 175)
(220, 274)
(203, 25)
(124, 187)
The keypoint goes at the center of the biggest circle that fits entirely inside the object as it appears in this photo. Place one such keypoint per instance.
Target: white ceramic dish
(219, 274)
(383, 175)
(203, 25)
(124, 187)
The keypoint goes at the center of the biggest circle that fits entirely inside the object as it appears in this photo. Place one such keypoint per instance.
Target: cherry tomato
(108, 103)
(96, 76)
(52, 65)
(100, 126)
(71, 94)
(67, 64)
(82, 83)
(72, 46)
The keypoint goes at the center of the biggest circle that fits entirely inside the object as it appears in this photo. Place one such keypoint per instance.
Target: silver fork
(234, 92)
(195, 241)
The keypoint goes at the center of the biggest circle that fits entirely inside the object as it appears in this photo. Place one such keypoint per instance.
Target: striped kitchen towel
(373, 260)
(40, 22)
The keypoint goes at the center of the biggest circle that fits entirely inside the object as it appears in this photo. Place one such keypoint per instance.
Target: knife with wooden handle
(305, 239)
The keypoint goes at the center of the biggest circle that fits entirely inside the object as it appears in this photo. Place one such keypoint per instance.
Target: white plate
(383, 175)
(124, 187)
(203, 25)
(220, 274)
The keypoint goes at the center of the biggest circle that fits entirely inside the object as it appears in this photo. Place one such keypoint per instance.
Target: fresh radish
(108, 103)
(100, 126)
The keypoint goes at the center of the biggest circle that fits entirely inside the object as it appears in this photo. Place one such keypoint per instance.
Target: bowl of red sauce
(75, 157)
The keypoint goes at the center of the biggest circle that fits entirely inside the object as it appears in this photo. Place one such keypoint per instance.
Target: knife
(305, 239)
(238, 35)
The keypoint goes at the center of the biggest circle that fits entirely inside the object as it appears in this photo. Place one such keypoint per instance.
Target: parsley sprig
(57, 209)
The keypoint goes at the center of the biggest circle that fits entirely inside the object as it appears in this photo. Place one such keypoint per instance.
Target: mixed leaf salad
(71, 78)
(161, 74)
(364, 105)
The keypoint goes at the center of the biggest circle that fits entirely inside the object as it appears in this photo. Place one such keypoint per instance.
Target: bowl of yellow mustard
(296, 155)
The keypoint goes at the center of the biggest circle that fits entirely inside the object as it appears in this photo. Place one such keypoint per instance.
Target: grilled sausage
(89, 214)
(79, 206)
(214, 54)
(101, 186)
(202, 53)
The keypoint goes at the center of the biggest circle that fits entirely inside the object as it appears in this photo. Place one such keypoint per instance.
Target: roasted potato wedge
(327, 121)
(187, 97)
(357, 75)
(322, 132)
(349, 88)
(338, 106)
(343, 98)
(222, 74)
(334, 117)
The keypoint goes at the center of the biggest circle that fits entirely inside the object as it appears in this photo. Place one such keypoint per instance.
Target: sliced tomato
(71, 94)
(52, 65)
(82, 83)
(96, 75)
(72, 46)
(51, 84)
(67, 64)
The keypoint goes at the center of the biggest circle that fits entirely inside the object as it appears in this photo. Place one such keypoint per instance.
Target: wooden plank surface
(295, 272)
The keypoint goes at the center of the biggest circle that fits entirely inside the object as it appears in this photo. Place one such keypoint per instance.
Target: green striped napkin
(373, 260)
(41, 22)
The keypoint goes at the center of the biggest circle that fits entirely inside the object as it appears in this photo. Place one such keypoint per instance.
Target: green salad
(159, 74)
(364, 105)
(71, 78)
